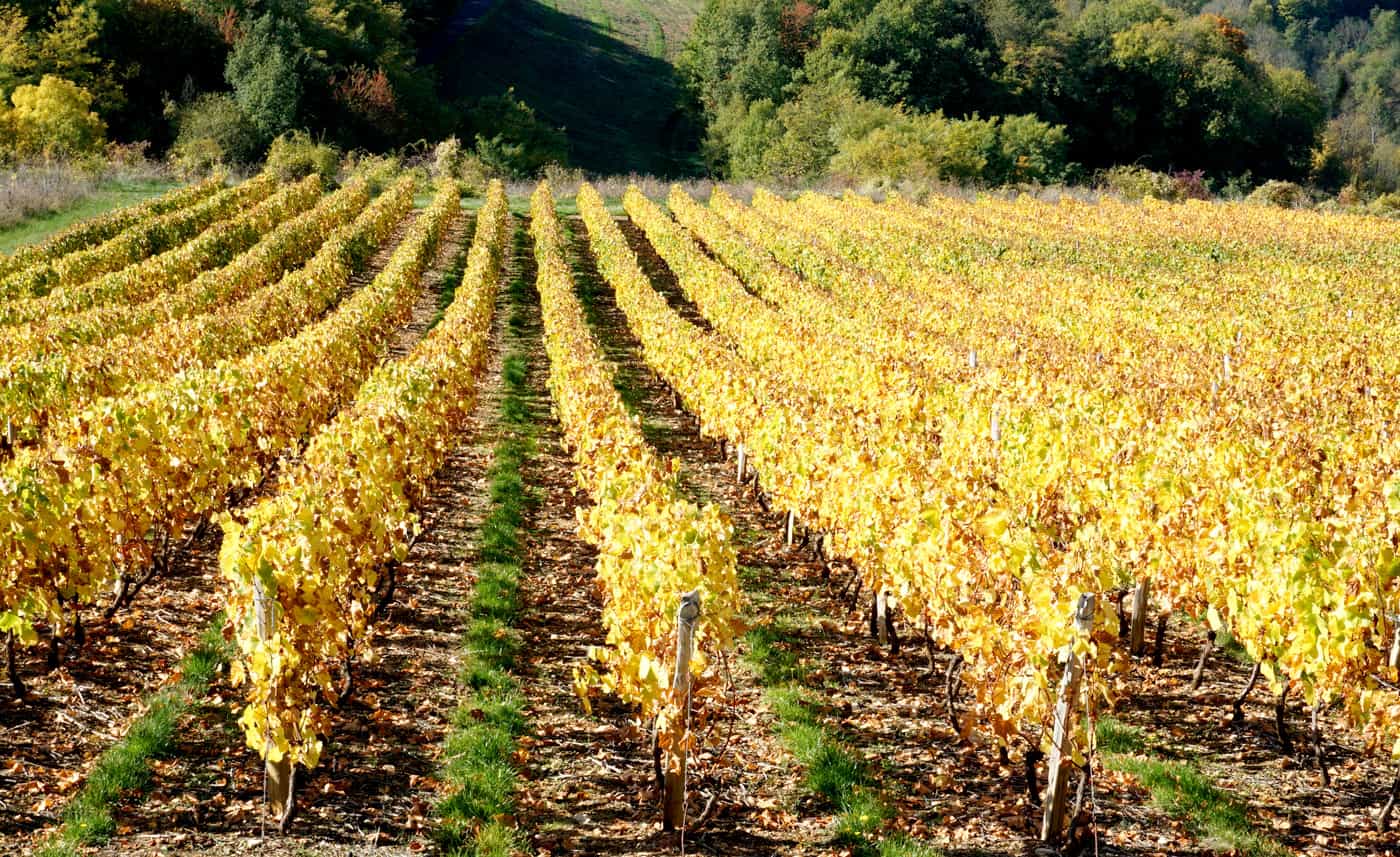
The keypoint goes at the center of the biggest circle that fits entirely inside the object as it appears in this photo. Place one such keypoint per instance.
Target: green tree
(511, 138)
(741, 49)
(16, 59)
(66, 49)
(927, 54)
(262, 69)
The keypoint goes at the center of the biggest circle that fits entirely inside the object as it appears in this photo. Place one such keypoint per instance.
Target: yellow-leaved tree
(52, 119)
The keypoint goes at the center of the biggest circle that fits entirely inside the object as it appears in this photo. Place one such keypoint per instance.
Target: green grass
(833, 771)
(451, 279)
(34, 229)
(1213, 814)
(126, 766)
(491, 717)
(601, 48)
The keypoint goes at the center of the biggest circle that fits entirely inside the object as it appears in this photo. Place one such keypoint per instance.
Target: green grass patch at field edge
(110, 196)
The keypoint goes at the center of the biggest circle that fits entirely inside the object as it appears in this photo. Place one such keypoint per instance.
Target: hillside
(601, 69)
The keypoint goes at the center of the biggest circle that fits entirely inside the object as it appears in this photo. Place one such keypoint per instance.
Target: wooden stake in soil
(1138, 633)
(882, 632)
(1061, 761)
(1280, 725)
(1201, 664)
(1319, 753)
(279, 773)
(791, 525)
(673, 791)
(12, 669)
(742, 467)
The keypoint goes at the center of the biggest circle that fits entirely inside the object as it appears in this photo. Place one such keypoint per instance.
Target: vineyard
(819, 525)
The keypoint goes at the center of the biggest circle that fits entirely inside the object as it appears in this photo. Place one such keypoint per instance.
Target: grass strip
(125, 767)
(1213, 814)
(450, 280)
(834, 772)
(490, 718)
(115, 194)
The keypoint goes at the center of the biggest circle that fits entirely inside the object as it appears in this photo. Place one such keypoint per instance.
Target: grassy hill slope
(601, 69)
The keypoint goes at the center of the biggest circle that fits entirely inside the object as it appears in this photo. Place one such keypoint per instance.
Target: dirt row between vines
(590, 788)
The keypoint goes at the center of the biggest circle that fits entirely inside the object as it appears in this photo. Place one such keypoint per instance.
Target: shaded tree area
(218, 80)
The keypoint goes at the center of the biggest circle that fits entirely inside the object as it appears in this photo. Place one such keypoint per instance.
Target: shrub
(214, 130)
(378, 170)
(512, 139)
(1133, 182)
(1386, 205)
(886, 155)
(475, 175)
(1280, 194)
(197, 157)
(1031, 150)
(295, 156)
(966, 148)
(928, 147)
(740, 135)
(53, 119)
(1190, 184)
(447, 159)
(134, 154)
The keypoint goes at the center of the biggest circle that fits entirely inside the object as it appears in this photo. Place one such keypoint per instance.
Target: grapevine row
(296, 217)
(159, 273)
(137, 242)
(653, 545)
(1247, 513)
(103, 502)
(245, 305)
(832, 467)
(95, 230)
(306, 567)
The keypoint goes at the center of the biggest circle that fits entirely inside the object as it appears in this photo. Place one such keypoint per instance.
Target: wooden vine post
(1061, 762)
(279, 773)
(1138, 633)
(673, 789)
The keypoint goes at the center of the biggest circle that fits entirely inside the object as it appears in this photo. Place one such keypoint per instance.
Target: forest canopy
(1043, 90)
(1235, 92)
(221, 79)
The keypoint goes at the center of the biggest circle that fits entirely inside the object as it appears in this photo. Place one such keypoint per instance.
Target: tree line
(1050, 90)
(1217, 94)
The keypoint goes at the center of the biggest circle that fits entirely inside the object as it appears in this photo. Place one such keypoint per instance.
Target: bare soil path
(592, 788)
